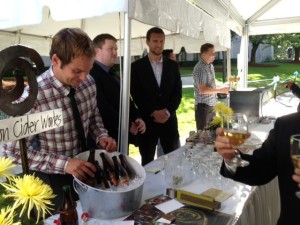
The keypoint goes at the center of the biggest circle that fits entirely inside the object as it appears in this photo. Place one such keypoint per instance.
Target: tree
(288, 41)
(256, 40)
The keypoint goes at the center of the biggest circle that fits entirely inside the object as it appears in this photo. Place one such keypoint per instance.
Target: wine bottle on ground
(120, 172)
(91, 181)
(67, 212)
(108, 169)
(130, 171)
(101, 178)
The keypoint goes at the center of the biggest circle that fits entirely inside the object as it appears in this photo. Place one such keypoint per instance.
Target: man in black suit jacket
(271, 160)
(108, 89)
(156, 89)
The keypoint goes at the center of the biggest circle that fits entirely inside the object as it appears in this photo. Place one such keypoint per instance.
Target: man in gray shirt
(205, 86)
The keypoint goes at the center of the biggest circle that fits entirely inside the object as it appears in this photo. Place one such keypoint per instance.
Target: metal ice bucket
(102, 204)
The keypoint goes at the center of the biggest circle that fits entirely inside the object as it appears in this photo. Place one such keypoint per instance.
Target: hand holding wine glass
(295, 153)
(236, 129)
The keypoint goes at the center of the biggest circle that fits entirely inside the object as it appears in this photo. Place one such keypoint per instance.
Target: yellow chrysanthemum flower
(220, 110)
(30, 192)
(6, 217)
(6, 166)
(216, 121)
(227, 111)
(218, 107)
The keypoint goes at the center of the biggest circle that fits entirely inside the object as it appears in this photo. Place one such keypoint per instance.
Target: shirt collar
(104, 67)
(160, 61)
(204, 61)
(65, 90)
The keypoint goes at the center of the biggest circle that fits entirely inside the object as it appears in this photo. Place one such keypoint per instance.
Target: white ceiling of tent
(261, 16)
(34, 22)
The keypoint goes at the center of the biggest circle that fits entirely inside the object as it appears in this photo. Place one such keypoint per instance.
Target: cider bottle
(67, 212)
(108, 169)
(130, 171)
(91, 181)
(120, 172)
(101, 178)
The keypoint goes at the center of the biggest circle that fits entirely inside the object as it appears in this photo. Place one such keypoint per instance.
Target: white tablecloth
(262, 206)
(248, 205)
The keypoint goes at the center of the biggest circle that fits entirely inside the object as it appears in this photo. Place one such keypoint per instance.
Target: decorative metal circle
(14, 57)
(190, 216)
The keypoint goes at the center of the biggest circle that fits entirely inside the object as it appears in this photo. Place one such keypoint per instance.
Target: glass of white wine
(295, 153)
(236, 129)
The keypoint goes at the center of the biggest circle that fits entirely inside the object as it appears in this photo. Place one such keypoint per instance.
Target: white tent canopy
(261, 16)
(34, 22)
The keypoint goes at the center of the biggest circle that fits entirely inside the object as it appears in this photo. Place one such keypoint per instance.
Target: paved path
(187, 82)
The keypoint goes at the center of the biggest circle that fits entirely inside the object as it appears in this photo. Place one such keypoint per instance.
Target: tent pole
(123, 142)
(243, 58)
(228, 57)
(225, 74)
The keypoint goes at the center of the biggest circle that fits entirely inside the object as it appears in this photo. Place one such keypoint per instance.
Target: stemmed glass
(236, 129)
(295, 153)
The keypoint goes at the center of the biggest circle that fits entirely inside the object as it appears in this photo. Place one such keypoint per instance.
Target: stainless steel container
(102, 204)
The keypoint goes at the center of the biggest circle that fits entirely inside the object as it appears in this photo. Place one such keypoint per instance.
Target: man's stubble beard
(155, 53)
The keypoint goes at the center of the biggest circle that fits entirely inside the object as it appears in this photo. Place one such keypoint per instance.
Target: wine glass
(295, 153)
(236, 129)
(175, 170)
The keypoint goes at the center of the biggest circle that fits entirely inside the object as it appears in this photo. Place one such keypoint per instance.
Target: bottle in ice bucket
(67, 211)
(101, 178)
(108, 169)
(130, 171)
(120, 172)
(91, 181)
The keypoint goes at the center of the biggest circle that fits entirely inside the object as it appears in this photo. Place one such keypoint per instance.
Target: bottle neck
(91, 158)
(67, 199)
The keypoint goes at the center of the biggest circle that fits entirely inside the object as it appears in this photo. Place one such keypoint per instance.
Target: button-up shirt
(204, 73)
(50, 151)
(157, 67)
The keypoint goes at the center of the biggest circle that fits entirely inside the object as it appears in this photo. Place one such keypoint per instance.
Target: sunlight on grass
(255, 76)
(185, 113)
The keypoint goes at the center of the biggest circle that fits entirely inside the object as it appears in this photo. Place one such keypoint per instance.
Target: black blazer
(271, 160)
(108, 99)
(146, 93)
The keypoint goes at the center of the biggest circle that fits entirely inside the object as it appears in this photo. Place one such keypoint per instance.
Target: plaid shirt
(204, 74)
(50, 151)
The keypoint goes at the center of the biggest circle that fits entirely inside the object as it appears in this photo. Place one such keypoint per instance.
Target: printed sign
(23, 126)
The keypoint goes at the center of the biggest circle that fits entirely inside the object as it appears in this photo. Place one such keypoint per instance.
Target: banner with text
(23, 126)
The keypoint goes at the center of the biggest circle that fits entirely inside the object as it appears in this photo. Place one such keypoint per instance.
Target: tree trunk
(253, 53)
(297, 55)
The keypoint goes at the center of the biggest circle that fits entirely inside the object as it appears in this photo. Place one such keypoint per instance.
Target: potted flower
(21, 195)
(220, 109)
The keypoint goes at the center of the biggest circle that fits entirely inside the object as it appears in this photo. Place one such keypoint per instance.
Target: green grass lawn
(186, 71)
(185, 112)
